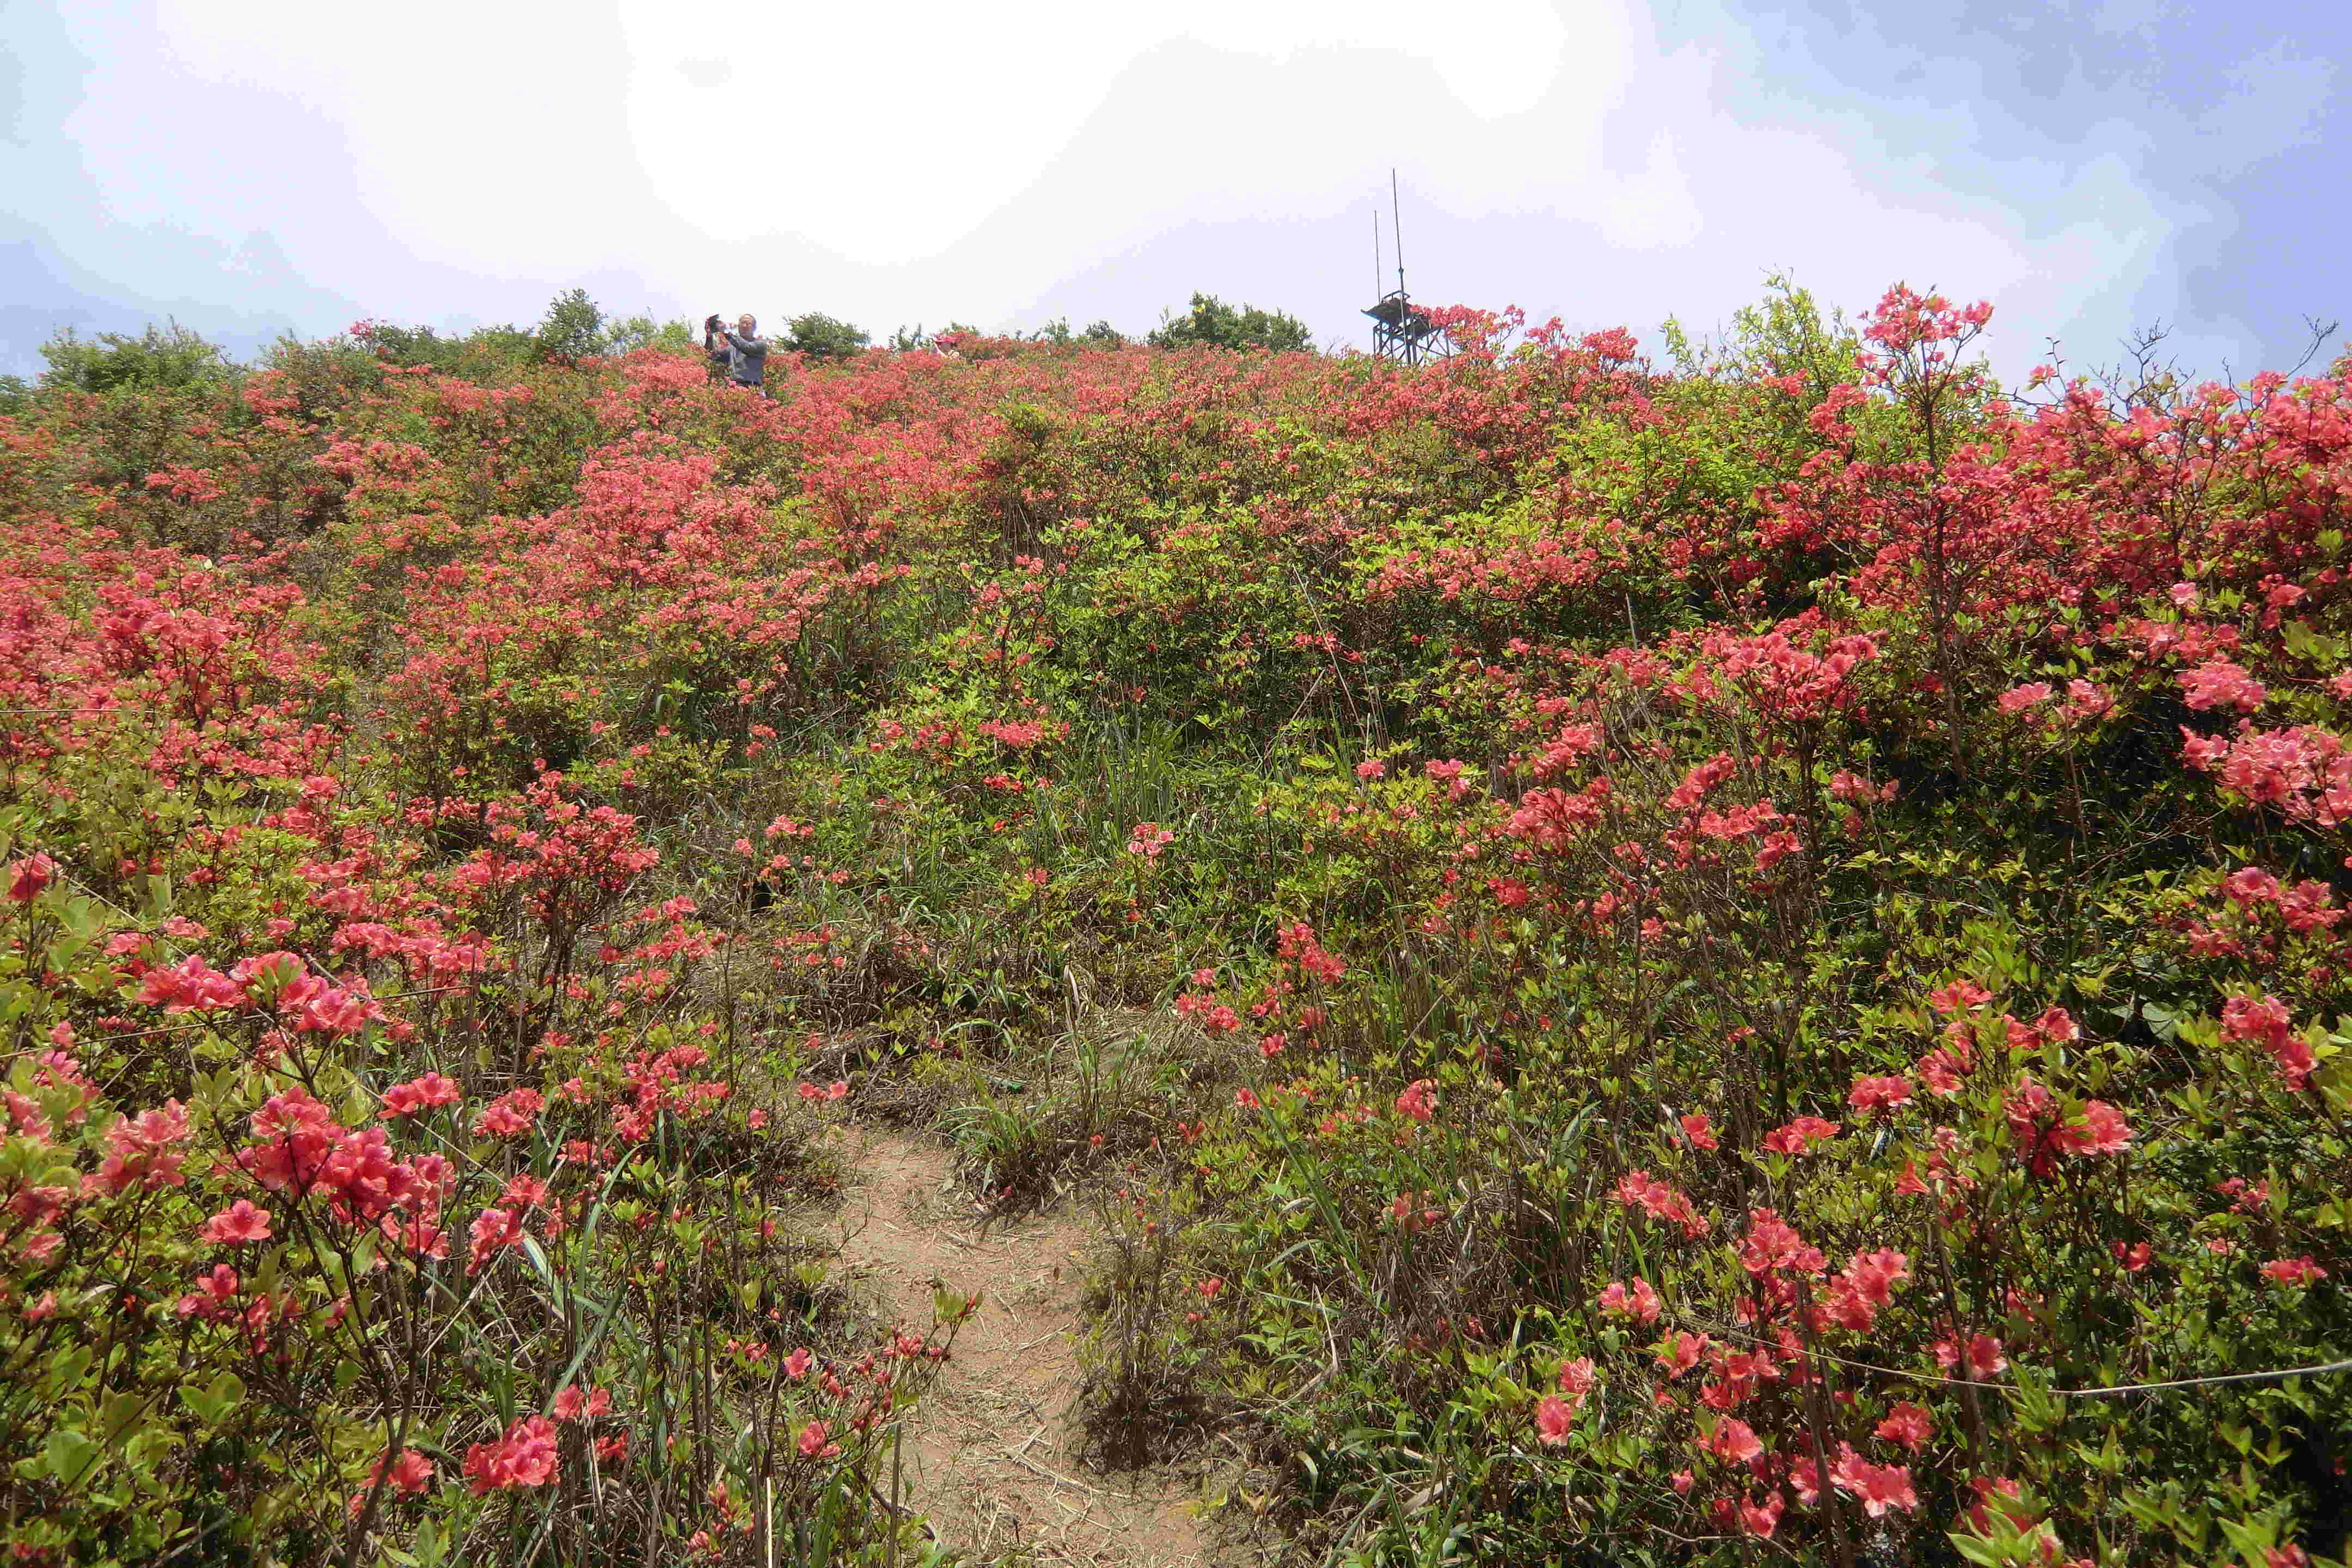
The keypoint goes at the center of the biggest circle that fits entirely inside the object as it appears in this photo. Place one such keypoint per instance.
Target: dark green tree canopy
(573, 328)
(172, 356)
(820, 336)
(397, 345)
(1212, 323)
(1096, 335)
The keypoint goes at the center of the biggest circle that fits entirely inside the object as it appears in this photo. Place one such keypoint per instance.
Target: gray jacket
(747, 358)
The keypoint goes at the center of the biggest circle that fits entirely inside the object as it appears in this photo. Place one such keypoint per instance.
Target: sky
(2092, 167)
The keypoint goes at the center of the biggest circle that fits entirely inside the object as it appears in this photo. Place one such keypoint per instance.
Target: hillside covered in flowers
(1742, 963)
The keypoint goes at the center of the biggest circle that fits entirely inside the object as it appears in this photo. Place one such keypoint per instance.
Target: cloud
(2273, 103)
(906, 161)
(892, 129)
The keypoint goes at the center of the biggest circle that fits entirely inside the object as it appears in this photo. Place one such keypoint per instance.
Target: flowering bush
(1665, 966)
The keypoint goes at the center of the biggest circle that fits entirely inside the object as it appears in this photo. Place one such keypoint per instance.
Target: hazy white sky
(255, 162)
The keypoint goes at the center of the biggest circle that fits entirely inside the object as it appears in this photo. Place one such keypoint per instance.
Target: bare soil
(992, 1449)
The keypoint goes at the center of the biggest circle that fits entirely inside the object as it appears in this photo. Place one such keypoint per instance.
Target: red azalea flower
(1880, 1487)
(2294, 1272)
(523, 1456)
(1909, 1425)
(28, 876)
(1733, 1441)
(236, 1225)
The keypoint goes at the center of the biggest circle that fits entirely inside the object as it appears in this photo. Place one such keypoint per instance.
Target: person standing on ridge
(747, 355)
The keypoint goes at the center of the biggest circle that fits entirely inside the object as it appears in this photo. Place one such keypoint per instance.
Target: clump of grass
(1139, 1394)
(1105, 1091)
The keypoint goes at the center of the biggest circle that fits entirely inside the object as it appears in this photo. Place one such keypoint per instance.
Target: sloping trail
(992, 1451)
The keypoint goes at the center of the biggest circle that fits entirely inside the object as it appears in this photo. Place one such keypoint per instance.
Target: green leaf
(1975, 1549)
(216, 1400)
(69, 1454)
(118, 1414)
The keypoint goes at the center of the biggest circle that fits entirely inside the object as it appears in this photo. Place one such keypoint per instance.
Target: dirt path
(992, 1449)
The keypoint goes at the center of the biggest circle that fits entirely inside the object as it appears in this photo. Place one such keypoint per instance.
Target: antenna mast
(1396, 222)
(1400, 328)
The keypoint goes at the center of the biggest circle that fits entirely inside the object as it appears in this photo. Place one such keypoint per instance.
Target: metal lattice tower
(1402, 331)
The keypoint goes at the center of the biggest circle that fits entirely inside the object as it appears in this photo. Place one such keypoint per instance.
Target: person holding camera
(747, 351)
(714, 347)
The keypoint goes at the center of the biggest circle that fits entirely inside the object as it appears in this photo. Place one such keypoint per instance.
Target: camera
(710, 323)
